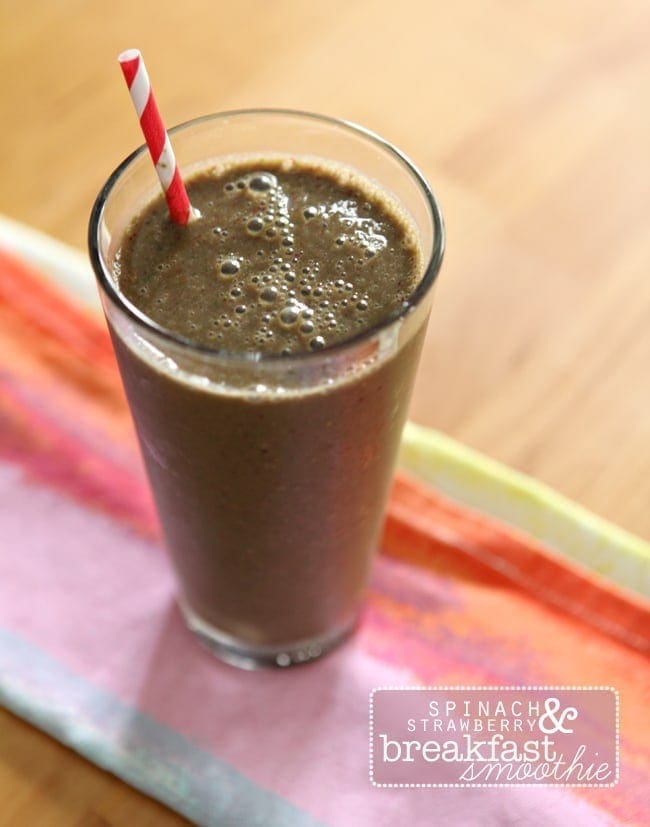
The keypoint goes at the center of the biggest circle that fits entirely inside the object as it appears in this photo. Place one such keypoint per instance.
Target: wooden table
(532, 120)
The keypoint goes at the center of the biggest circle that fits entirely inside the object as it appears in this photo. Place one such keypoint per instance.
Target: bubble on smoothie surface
(255, 225)
(262, 182)
(289, 315)
(229, 267)
(268, 294)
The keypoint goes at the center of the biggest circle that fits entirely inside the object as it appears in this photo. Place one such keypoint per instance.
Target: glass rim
(431, 269)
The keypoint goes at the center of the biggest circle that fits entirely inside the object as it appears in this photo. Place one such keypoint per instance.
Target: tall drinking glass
(270, 472)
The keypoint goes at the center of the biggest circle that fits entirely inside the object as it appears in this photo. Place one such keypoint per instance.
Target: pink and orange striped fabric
(93, 650)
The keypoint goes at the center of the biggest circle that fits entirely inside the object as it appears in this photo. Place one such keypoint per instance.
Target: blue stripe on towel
(146, 754)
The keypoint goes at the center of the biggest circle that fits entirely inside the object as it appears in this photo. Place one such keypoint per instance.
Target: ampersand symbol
(551, 705)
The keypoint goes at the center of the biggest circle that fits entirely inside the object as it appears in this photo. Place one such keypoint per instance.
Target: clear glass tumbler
(270, 472)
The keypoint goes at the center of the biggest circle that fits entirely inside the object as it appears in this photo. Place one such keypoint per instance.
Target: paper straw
(155, 134)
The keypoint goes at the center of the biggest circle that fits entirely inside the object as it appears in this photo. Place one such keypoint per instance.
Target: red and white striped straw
(155, 134)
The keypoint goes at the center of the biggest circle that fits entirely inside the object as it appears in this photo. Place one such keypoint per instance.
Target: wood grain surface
(531, 120)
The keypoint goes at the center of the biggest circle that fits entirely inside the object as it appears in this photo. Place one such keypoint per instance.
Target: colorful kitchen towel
(93, 649)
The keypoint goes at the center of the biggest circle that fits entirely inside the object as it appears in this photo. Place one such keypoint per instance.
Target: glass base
(245, 656)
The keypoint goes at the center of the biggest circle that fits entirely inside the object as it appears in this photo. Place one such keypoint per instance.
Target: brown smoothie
(270, 499)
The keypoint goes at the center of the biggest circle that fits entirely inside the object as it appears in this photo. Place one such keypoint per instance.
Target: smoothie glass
(270, 473)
